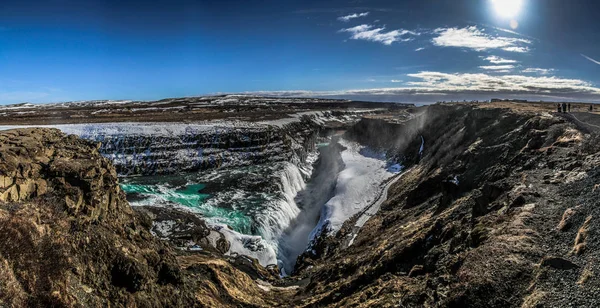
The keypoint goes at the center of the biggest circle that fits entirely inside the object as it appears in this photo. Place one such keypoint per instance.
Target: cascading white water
(272, 220)
(278, 213)
(320, 188)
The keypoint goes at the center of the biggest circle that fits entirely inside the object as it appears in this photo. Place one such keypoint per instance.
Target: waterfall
(273, 219)
(320, 188)
(281, 211)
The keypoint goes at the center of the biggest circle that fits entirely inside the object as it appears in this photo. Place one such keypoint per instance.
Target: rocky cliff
(498, 212)
(68, 237)
(499, 209)
(169, 148)
(172, 148)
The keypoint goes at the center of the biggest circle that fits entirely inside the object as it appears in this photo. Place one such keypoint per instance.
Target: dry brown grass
(533, 300)
(11, 291)
(586, 274)
(565, 222)
(581, 237)
(570, 135)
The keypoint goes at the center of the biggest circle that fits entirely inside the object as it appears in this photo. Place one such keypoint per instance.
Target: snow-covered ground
(141, 128)
(358, 185)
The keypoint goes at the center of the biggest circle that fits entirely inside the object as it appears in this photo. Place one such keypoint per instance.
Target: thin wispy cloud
(516, 49)
(352, 16)
(511, 32)
(395, 81)
(497, 67)
(369, 33)
(537, 70)
(498, 60)
(476, 39)
(420, 48)
(597, 62)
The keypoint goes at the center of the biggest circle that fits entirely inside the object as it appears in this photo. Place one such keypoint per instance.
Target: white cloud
(461, 86)
(420, 48)
(511, 83)
(352, 16)
(395, 80)
(368, 33)
(542, 71)
(498, 60)
(516, 49)
(497, 67)
(473, 38)
(597, 62)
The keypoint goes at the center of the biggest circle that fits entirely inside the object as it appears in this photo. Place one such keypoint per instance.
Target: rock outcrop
(498, 210)
(68, 237)
(489, 240)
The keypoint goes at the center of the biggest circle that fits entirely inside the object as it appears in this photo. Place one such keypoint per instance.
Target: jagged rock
(475, 254)
(566, 221)
(478, 235)
(68, 237)
(416, 270)
(586, 275)
(582, 234)
(183, 229)
(5, 181)
(498, 225)
(518, 201)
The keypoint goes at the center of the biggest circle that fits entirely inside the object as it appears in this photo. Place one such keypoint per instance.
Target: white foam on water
(272, 219)
(249, 245)
(279, 213)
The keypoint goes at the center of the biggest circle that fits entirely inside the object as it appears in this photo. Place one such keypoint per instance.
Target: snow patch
(358, 185)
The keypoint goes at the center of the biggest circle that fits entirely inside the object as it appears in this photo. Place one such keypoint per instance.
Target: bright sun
(507, 8)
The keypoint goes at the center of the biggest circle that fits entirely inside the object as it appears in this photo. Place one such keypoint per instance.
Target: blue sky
(408, 51)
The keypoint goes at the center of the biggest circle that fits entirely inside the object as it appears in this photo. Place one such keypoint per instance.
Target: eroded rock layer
(498, 212)
(68, 237)
(497, 208)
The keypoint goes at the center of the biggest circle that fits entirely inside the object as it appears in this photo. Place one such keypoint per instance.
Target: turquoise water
(190, 196)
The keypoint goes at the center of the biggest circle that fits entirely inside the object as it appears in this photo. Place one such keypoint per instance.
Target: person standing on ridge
(569, 107)
(564, 107)
(559, 108)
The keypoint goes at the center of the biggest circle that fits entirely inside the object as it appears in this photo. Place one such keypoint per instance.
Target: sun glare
(507, 8)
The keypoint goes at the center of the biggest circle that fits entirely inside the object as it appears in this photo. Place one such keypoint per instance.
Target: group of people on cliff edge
(566, 107)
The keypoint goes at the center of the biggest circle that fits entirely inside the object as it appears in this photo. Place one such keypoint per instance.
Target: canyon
(320, 203)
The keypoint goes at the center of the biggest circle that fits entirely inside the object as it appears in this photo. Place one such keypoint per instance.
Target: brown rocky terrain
(500, 210)
(68, 237)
